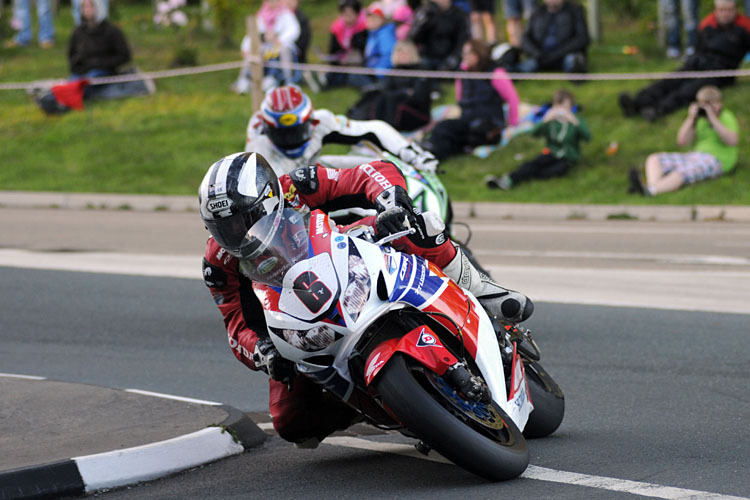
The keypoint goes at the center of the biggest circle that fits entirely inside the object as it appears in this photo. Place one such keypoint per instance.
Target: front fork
(509, 336)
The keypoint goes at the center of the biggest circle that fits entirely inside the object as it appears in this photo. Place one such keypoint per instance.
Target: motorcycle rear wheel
(548, 400)
(480, 438)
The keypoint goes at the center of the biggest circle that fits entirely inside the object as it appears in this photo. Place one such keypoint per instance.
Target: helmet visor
(290, 137)
(282, 242)
(233, 233)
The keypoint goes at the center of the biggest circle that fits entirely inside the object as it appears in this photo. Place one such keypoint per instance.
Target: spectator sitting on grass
(481, 101)
(381, 38)
(563, 131)
(723, 41)
(439, 30)
(401, 101)
(348, 38)
(556, 38)
(713, 131)
(97, 48)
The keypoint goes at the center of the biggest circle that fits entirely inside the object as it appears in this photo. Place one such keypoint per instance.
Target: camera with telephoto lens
(701, 112)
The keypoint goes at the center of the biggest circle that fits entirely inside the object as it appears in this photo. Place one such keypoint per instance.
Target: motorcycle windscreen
(285, 242)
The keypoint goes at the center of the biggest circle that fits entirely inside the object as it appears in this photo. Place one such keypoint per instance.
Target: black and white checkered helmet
(236, 192)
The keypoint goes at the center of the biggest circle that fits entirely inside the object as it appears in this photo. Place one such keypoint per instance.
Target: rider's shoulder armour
(305, 179)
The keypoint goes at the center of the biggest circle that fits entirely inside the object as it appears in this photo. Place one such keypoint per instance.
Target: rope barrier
(210, 68)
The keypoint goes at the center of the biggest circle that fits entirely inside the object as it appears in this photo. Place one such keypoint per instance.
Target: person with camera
(714, 132)
(563, 130)
(723, 41)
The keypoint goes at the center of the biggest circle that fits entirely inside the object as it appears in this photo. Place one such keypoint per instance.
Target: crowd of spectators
(452, 35)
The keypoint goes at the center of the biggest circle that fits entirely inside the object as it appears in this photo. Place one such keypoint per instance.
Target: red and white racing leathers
(303, 412)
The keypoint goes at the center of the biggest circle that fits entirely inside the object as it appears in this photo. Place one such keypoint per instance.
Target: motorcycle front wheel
(479, 437)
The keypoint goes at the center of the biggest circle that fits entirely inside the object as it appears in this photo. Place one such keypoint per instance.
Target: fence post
(594, 20)
(256, 65)
(661, 29)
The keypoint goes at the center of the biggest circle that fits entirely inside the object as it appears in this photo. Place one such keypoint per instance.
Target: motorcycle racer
(290, 133)
(241, 189)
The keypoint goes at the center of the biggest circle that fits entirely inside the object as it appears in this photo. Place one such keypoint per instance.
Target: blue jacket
(380, 46)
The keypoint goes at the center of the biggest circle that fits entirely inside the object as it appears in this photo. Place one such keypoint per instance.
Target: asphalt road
(655, 396)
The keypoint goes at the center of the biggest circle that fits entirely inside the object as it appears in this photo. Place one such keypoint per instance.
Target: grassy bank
(163, 144)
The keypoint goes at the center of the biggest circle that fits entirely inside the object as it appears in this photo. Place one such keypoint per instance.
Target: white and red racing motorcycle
(392, 336)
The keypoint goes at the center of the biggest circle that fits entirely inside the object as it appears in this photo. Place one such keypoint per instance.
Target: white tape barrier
(324, 68)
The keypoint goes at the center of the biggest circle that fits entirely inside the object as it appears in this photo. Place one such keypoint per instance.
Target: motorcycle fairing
(421, 344)
(424, 188)
(423, 285)
(409, 281)
(519, 397)
(310, 289)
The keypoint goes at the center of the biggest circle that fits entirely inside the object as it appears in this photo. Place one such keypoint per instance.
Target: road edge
(495, 210)
(86, 474)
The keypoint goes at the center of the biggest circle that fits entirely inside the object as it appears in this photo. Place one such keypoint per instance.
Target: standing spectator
(481, 102)
(305, 33)
(403, 16)
(714, 133)
(279, 31)
(515, 11)
(723, 40)
(563, 131)
(690, 12)
(439, 30)
(76, 10)
(482, 18)
(381, 38)
(556, 38)
(22, 16)
(347, 40)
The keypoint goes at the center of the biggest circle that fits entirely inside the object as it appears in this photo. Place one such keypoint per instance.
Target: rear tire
(548, 400)
(482, 440)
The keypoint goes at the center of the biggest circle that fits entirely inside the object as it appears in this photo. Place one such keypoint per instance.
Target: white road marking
(176, 398)
(545, 474)
(717, 260)
(710, 291)
(602, 228)
(173, 266)
(27, 377)
(532, 472)
(726, 291)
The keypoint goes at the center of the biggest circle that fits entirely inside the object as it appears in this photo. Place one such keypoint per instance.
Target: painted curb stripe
(151, 461)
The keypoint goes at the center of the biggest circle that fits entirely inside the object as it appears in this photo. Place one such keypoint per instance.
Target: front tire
(480, 438)
(548, 400)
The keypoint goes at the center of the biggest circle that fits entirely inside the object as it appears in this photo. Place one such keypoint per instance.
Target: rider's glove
(268, 359)
(419, 158)
(429, 229)
(394, 196)
(393, 220)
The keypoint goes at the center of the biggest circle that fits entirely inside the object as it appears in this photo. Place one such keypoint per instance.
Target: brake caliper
(469, 385)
